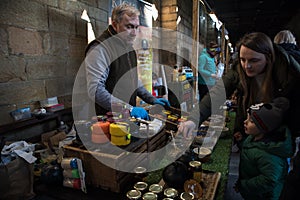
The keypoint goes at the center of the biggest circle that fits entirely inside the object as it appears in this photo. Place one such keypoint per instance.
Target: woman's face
(252, 62)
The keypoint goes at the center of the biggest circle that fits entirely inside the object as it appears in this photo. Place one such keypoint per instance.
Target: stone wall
(42, 45)
(176, 38)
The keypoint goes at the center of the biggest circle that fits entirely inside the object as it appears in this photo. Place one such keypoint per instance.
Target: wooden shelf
(58, 116)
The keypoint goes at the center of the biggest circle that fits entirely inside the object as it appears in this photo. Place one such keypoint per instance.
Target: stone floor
(230, 193)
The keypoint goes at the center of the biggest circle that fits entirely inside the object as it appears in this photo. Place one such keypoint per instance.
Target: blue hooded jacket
(206, 67)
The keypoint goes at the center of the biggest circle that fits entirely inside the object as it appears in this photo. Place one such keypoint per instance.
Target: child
(263, 160)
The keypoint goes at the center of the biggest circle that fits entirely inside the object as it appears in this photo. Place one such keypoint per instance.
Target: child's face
(250, 127)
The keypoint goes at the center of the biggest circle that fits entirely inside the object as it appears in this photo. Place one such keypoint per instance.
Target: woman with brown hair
(263, 71)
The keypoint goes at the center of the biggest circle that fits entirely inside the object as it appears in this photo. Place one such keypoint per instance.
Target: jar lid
(195, 163)
(140, 170)
(186, 196)
(134, 194)
(167, 198)
(170, 192)
(140, 186)
(155, 188)
(149, 196)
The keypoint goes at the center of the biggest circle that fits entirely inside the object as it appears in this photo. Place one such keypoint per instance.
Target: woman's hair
(284, 36)
(260, 43)
(122, 9)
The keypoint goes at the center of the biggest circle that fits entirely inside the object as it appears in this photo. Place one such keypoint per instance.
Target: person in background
(111, 66)
(263, 72)
(263, 160)
(207, 71)
(286, 40)
(292, 187)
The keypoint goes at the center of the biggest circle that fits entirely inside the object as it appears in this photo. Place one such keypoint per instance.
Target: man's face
(127, 28)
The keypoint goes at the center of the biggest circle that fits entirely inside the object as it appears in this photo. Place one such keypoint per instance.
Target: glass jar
(140, 186)
(149, 196)
(133, 195)
(140, 173)
(186, 196)
(156, 189)
(170, 193)
(196, 168)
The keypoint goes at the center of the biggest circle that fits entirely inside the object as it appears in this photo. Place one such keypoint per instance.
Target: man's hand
(139, 112)
(187, 128)
(162, 102)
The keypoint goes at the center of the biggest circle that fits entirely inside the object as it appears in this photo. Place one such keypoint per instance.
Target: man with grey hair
(111, 66)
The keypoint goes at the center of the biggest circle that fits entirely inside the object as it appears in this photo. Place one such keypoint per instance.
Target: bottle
(175, 74)
(63, 127)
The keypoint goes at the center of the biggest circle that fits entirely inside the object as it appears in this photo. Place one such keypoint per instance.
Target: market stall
(215, 167)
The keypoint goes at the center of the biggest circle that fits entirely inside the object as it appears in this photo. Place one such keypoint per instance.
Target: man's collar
(111, 30)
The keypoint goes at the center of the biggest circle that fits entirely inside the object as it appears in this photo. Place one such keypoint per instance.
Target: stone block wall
(42, 45)
(176, 38)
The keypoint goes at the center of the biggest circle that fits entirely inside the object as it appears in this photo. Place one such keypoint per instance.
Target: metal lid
(140, 170)
(155, 188)
(186, 196)
(134, 194)
(170, 192)
(195, 163)
(167, 198)
(140, 186)
(149, 196)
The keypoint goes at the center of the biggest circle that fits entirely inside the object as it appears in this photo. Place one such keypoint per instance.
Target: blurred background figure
(286, 40)
(207, 70)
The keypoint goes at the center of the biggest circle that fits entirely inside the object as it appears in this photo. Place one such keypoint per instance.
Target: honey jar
(196, 168)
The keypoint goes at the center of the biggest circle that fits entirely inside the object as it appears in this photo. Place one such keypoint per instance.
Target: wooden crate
(210, 181)
(100, 175)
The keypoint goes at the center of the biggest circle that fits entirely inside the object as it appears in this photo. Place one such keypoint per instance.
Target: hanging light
(213, 17)
(216, 20)
(90, 33)
(154, 12)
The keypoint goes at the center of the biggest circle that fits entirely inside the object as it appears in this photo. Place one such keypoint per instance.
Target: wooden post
(195, 35)
(223, 44)
(227, 57)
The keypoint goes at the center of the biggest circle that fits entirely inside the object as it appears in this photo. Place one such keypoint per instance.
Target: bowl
(224, 132)
(203, 153)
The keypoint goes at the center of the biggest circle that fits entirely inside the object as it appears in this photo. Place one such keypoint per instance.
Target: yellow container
(182, 77)
(119, 132)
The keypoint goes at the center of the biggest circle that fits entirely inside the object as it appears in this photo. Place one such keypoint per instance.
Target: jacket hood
(282, 149)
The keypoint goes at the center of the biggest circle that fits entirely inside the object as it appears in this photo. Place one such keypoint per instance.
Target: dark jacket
(263, 167)
(292, 187)
(291, 49)
(286, 79)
